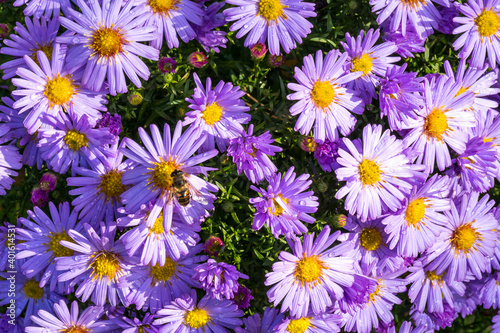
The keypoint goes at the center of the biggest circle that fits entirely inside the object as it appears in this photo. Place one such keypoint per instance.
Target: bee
(183, 191)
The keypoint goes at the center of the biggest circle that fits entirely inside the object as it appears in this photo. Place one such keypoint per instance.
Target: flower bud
(276, 60)
(213, 246)
(198, 59)
(258, 51)
(39, 197)
(308, 144)
(48, 182)
(167, 65)
(135, 98)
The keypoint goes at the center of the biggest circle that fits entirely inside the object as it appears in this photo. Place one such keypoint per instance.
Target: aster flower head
(10, 160)
(312, 272)
(448, 14)
(167, 65)
(198, 59)
(480, 32)
(378, 176)
(284, 205)
(321, 323)
(407, 44)
(213, 246)
(258, 51)
(206, 34)
(279, 22)
(95, 263)
(468, 241)
(218, 279)
(372, 61)
(251, 154)
(129, 325)
(48, 182)
(38, 35)
(323, 101)
(440, 123)
(152, 177)
(326, 154)
(46, 8)
(39, 197)
(276, 60)
(254, 324)
(112, 122)
(64, 319)
(490, 291)
(243, 297)
(434, 321)
(106, 43)
(185, 314)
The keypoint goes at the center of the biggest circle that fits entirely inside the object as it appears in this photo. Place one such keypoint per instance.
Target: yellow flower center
(158, 225)
(370, 239)
(76, 329)
(374, 295)
(162, 174)
(487, 23)
(278, 210)
(75, 140)
(362, 64)
(105, 265)
(462, 90)
(58, 249)
(212, 114)
(107, 42)
(298, 325)
(415, 211)
(165, 272)
(414, 4)
(369, 172)
(271, 9)
(197, 318)
(162, 7)
(435, 279)
(309, 269)
(59, 90)
(322, 94)
(33, 290)
(486, 139)
(464, 237)
(46, 49)
(436, 124)
(111, 184)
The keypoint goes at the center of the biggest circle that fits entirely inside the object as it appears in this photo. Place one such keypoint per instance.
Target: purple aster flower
(415, 227)
(154, 287)
(370, 245)
(378, 306)
(372, 61)
(378, 177)
(219, 112)
(323, 101)
(218, 279)
(70, 320)
(99, 188)
(469, 239)
(490, 291)
(108, 48)
(167, 65)
(400, 96)
(48, 182)
(281, 22)
(213, 246)
(258, 51)
(270, 320)
(311, 323)
(155, 244)
(448, 14)
(251, 154)
(428, 290)
(495, 327)
(27, 295)
(113, 122)
(407, 43)
(134, 325)
(407, 328)
(51, 88)
(421, 15)
(439, 123)
(434, 321)
(96, 264)
(284, 204)
(42, 7)
(39, 197)
(184, 315)
(69, 142)
(466, 304)
(205, 33)
(479, 31)
(326, 154)
(152, 177)
(313, 272)
(243, 297)
(10, 160)
(38, 35)
(198, 59)
(10, 324)
(169, 19)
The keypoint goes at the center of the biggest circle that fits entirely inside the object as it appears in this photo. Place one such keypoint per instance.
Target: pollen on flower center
(271, 9)
(413, 3)
(369, 172)
(197, 318)
(376, 293)
(322, 93)
(362, 64)
(415, 211)
(111, 184)
(436, 124)
(105, 265)
(464, 237)
(165, 272)
(370, 239)
(212, 114)
(107, 42)
(33, 290)
(162, 174)
(162, 7)
(158, 226)
(46, 49)
(278, 210)
(58, 249)
(462, 90)
(298, 325)
(75, 140)
(76, 329)
(309, 269)
(487, 23)
(59, 90)
(435, 279)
